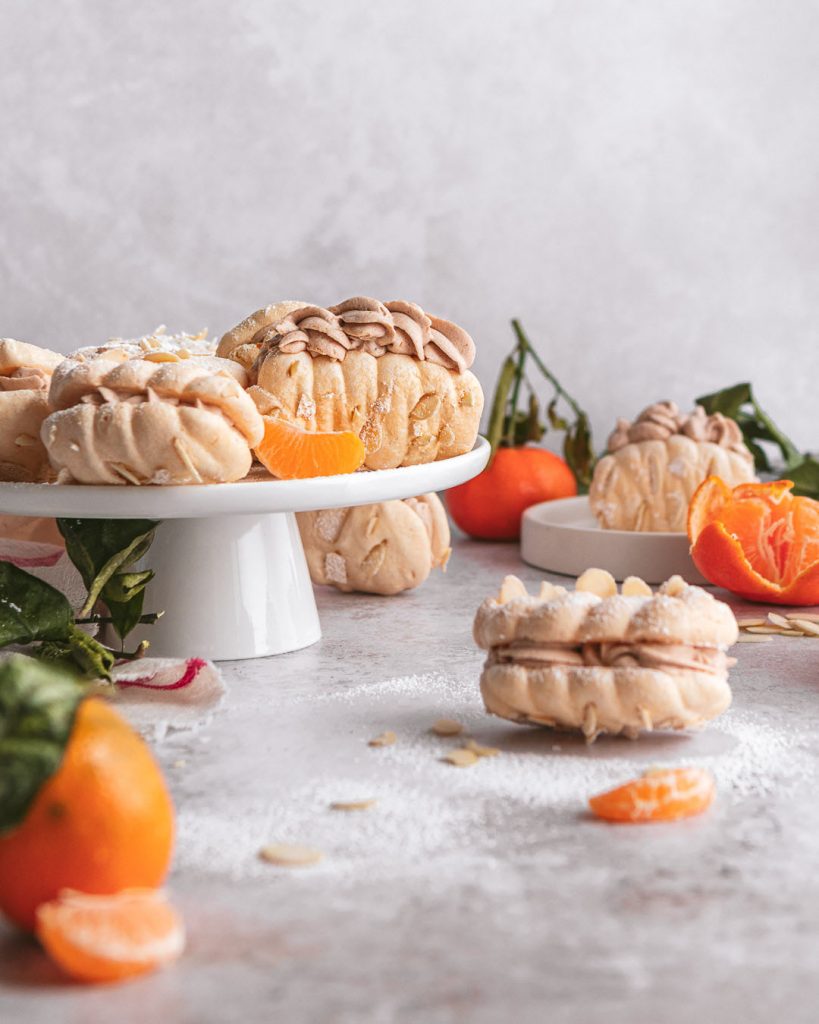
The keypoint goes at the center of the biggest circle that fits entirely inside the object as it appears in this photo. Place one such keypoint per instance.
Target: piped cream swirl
(662, 420)
(367, 325)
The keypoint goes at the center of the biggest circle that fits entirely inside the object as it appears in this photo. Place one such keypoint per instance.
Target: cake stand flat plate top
(254, 496)
(563, 536)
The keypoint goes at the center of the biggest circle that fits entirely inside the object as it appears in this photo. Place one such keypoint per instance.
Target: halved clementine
(290, 453)
(108, 938)
(756, 540)
(663, 794)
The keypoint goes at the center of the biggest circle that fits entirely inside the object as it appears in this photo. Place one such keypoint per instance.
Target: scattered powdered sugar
(530, 797)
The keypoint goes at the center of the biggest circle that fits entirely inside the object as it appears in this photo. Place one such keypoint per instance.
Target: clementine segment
(290, 453)
(660, 795)
(490, 505)
(109, 938)
(102, 822)
(757, 540)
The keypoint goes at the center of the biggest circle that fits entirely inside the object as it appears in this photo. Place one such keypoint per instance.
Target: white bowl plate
(564, 537)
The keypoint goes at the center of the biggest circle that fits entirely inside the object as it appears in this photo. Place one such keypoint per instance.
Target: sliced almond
(353, 805)
(447, 727)
(461, 757)
(25, 440)
(480, 749)
(290, 855)
(674, 586)
(161, 357)
(753, 638)
(386, 739)
(779, 620)
(806, 625)
(773, 630)
(634, 586)
(744, 623)
(597, 581)
(511, 588)
(549, 591)
(807, 616)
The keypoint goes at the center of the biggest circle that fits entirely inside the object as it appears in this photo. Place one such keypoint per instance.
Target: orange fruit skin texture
(110, 938)
(290, 453)
(490, 505)
(757, 540)
(662, 795)
(103, 822)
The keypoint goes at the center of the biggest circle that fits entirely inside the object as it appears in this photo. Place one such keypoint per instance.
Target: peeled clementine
(490, 505)
(108, 938)
(102, 822)
(660, 795)
(290, 453)
(757, 540)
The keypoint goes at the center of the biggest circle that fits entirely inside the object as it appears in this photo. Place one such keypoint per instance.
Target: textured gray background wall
(636, 179)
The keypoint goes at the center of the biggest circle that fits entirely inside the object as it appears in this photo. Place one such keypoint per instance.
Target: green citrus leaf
(31, 609)
(38, 703)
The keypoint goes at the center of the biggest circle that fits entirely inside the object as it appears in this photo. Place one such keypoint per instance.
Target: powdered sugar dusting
(428, 811)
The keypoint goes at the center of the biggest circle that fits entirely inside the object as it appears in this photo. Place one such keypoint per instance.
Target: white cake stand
(231, 574)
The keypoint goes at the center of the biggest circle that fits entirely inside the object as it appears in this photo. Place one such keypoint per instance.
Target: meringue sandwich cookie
(378, 549)
(136, 421)
(244, 341)
(25, 375)
(654, 465)
(396, 377)
(615, 664)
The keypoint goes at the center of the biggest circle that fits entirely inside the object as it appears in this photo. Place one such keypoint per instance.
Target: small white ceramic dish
(563, 536)
(231, 574)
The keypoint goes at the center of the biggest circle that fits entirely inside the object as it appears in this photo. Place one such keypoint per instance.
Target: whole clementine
(102, 822)
(490, 505)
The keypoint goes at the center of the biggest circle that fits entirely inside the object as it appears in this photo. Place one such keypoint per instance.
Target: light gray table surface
(482, 894)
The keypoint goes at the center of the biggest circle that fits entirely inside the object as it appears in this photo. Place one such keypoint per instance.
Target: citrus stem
(525, 344)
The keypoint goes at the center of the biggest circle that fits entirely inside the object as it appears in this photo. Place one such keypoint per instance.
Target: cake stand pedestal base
(231, 587)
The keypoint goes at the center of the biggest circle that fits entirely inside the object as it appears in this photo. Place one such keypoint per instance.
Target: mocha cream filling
(614, 655)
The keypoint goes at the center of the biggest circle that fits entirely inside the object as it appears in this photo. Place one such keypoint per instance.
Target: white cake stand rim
(257, 497)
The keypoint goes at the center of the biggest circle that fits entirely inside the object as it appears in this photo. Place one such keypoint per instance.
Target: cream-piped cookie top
(358, 323)
(662, 420)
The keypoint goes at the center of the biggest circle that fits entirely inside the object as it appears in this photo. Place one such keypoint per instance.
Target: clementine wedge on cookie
(108, 938)
(757, 540)
(290, 453)
(660, 795)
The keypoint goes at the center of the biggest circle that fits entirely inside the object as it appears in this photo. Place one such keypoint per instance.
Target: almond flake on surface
(353, 805)
(779, 620)
(596, 581)
(808, 616)
(753, 638)
(480, 749)
(744, 623)
(773, 630)
(461, 758)
(447, 727)
(386, 739)
(290, 855)
(806, 625)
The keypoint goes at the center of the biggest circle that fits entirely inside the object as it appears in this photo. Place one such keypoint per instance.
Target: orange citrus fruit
(490, 505)
(756, 540)
(108, 938)
(99, 819)
(660, 795)
(290, 453)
